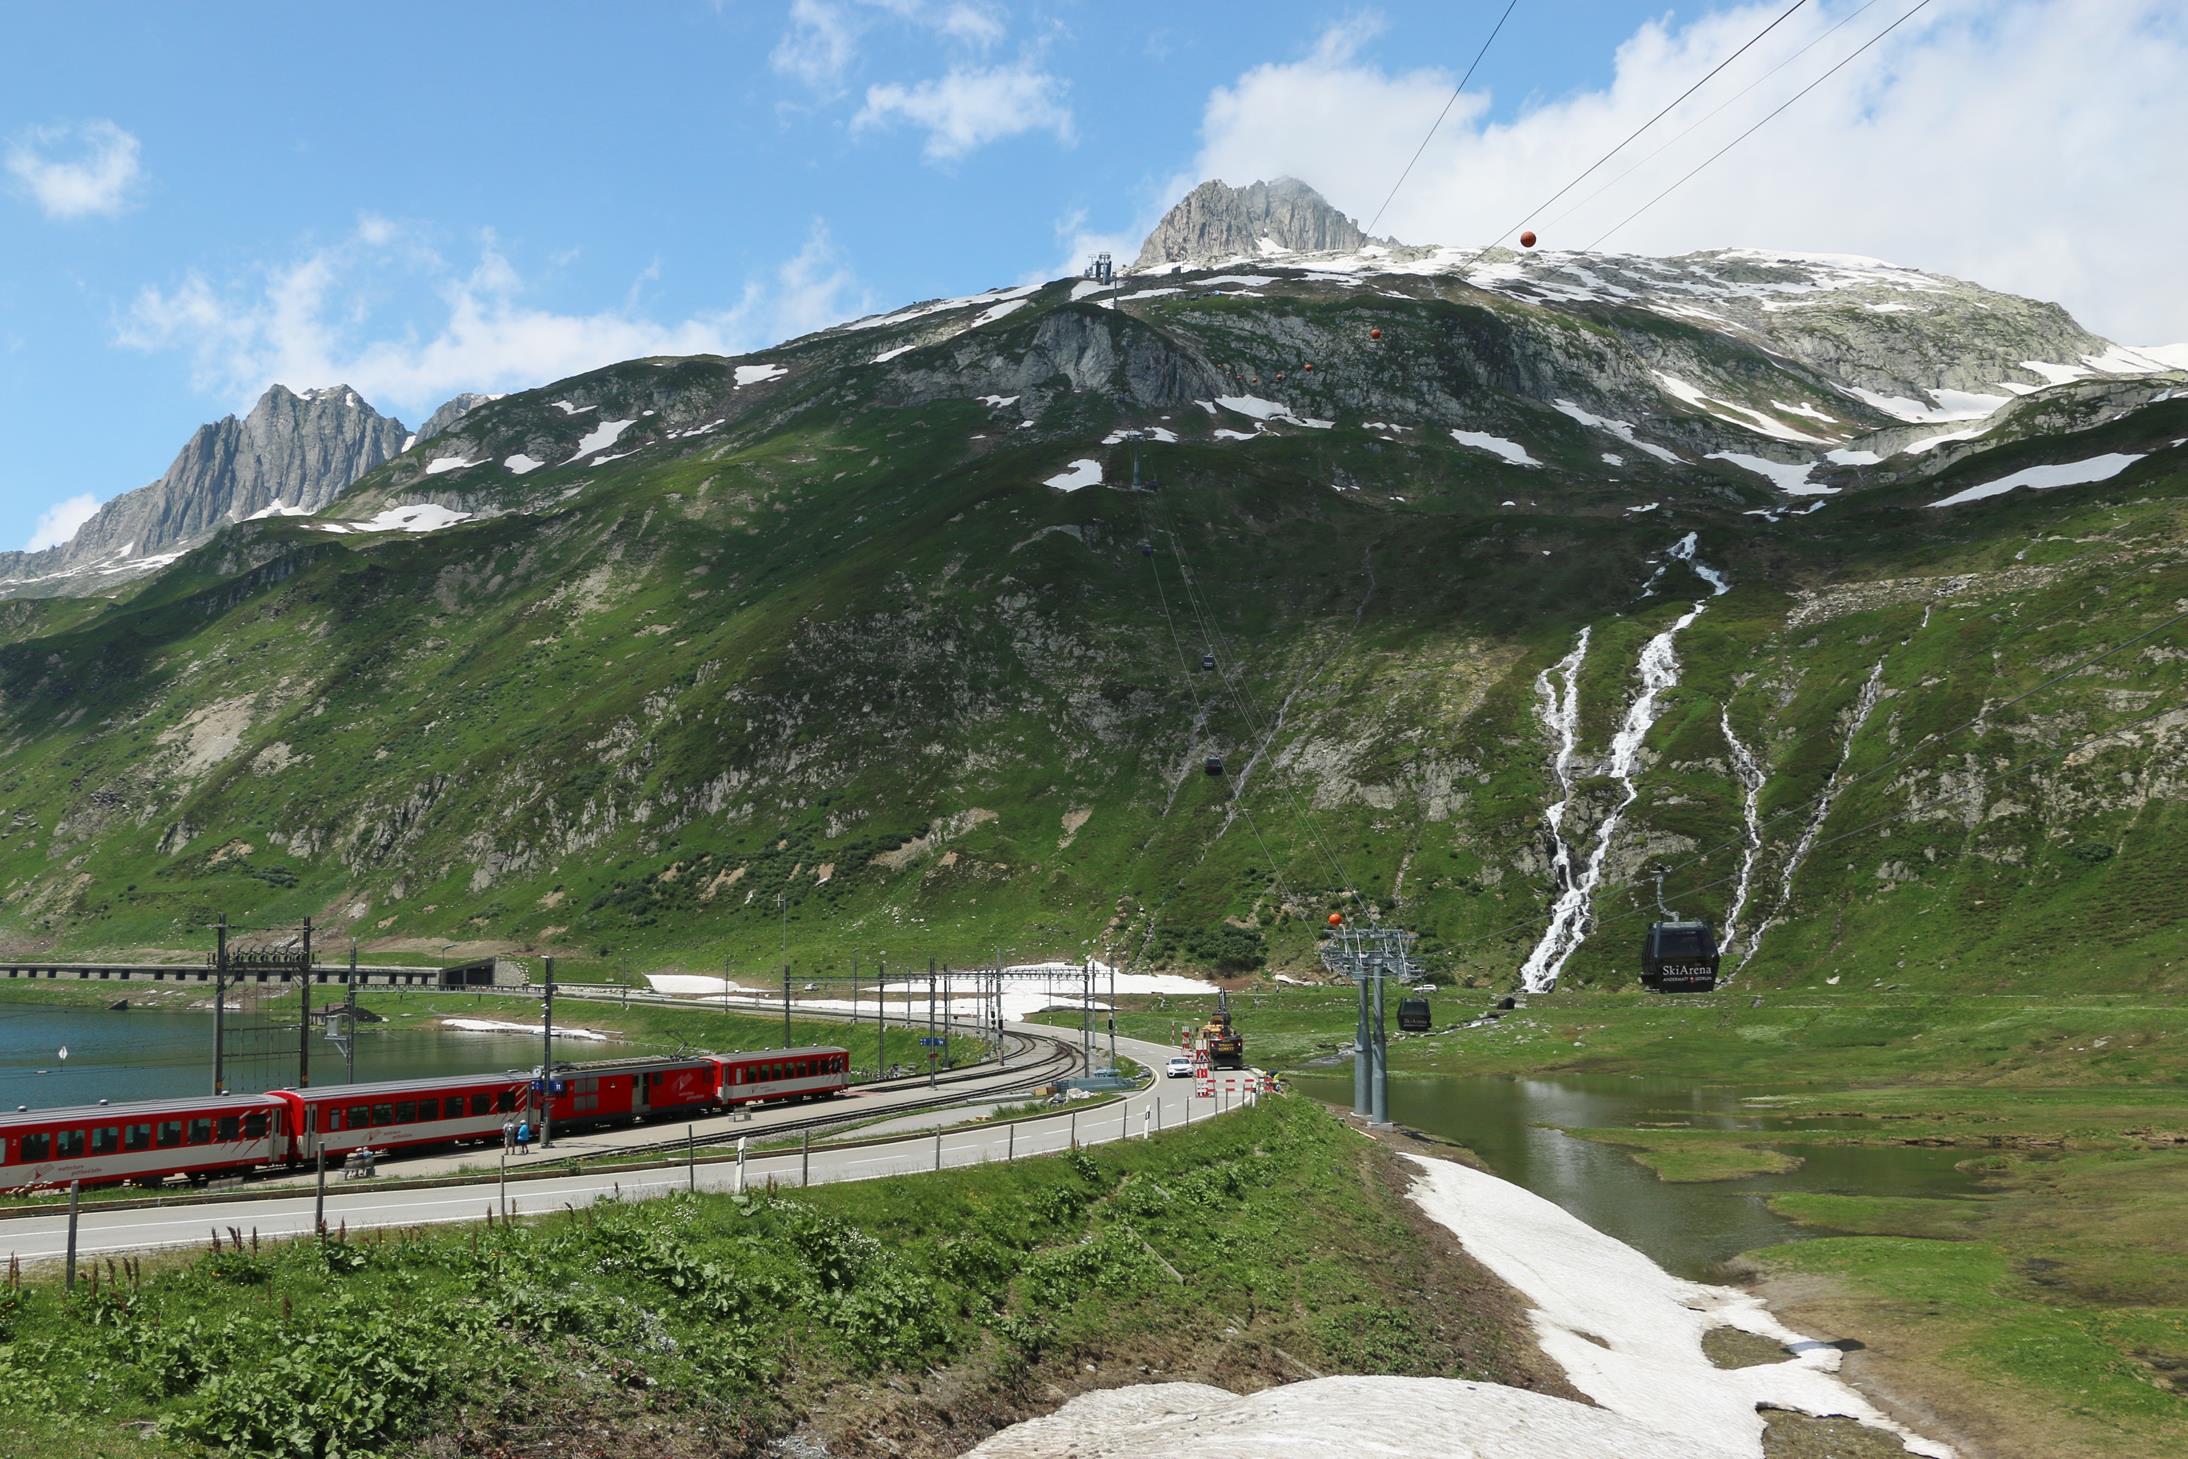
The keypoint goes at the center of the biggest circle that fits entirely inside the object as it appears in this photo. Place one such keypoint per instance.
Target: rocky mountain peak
(451, 411)
(294, 452)
(1217, 221)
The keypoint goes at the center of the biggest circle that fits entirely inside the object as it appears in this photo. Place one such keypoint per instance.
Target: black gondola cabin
(1413, 1015)
(1679, 957)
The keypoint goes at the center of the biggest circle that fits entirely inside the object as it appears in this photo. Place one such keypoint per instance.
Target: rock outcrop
(1216, 221)
(449, 413)
(293, 454)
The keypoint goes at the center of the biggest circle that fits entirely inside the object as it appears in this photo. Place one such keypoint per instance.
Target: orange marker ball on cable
(1527, 239)
(1337, 919)
(1375, 334)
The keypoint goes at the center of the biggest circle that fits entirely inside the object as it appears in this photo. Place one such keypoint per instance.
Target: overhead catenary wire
(1707, 117)
(1918, 7)
(1745, 45)
(1408, 172)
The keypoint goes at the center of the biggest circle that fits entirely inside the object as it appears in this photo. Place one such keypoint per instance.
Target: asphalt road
(1168, 1105)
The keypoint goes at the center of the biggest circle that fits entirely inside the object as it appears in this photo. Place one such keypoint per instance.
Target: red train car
(634, 1089)
(148, 1140)
(399, 1114)
(812, 1073)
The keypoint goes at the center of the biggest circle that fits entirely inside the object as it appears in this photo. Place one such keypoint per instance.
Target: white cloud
(312, 322)
(819, 46)
(59, 522)
(2029, 145)
(979, 26)
(971, 107)
(76, 171)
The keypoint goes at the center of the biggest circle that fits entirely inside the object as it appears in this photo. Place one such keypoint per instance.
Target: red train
(153, 1140)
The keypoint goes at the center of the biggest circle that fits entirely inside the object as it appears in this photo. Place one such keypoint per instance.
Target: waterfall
(1864, 705)
(1750, 773)
(1560, 715)
(1658, 670)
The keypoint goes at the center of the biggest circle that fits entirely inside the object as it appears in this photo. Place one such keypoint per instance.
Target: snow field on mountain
(1083, 472)
(448, 463)
(1621, 429)
(2047, 478)
(1511, 451)
(1788, 478)
(759, 374)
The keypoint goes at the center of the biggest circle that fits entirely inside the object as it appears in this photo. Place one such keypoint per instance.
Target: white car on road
(1179, 1067)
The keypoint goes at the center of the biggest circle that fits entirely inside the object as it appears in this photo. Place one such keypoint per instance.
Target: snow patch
(1852, 458)
(759, 374)
(1511, 451)
(450, 463)
(521, 463)
(601, 437)
(1790, 479)
(568, 409)
(2047, 478)
(1621, 429)
(502, 1025)
(1083, 472)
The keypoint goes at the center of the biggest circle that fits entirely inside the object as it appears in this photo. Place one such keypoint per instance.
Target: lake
(159, 1053)
(1688, 1228)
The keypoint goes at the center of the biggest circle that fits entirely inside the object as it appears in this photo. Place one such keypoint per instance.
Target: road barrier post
(319, 1199)
(75, 1188)
(1074, 1129)
(938, 1149)
(741, 1164)
(691, 1157)
(1147, 1124)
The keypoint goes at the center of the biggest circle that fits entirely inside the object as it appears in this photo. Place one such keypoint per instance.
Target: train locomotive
(149, 1141)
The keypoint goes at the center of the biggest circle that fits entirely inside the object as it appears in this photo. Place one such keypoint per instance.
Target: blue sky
(420, 199)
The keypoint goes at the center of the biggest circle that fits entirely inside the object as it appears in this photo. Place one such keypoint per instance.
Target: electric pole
(220, 1005)
(303, 1025)
(547, 1058)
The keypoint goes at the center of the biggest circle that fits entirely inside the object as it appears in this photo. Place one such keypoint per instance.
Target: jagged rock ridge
(1216, 221)
(293, 453)
(449, 413)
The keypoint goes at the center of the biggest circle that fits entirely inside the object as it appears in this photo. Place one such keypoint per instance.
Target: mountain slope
(670, 661)
(292, 454)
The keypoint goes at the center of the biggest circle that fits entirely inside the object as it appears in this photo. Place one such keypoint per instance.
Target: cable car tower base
(1369, 955)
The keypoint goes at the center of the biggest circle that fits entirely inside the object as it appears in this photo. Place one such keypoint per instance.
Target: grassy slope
(624, 725)
(925, 1312)
(2048, 1316)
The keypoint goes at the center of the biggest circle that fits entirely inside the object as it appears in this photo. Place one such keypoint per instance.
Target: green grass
(722, 1320)
(1695, 1155)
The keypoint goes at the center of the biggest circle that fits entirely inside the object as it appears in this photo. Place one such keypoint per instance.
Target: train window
(481, 1102)
(227, 1128)
(170, 1133)
(106, 1139)
(360, 1117)
(505, 1102)
(201, 1132)
(254, 1127)
(35, 1148)
(383, 1114)
(406, 1110)
(452, 1107)
(331, 1119)
(136, 1137)
(68, 1145)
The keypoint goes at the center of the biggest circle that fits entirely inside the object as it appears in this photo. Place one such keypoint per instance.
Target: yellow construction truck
(1226, 1047)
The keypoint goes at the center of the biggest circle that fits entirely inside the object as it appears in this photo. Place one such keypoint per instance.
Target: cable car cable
(1370, 229)
(1783, 16)
(1703, 121)
(1254, 721)
(1920, 5)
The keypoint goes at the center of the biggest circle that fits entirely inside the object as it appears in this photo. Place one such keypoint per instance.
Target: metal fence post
(1010, 1147)
(1074, 1129)
(805, 1158)
(741, 1164)
(691, 1157)
(75, 1188)
(319, 1200)
(938, 1149)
